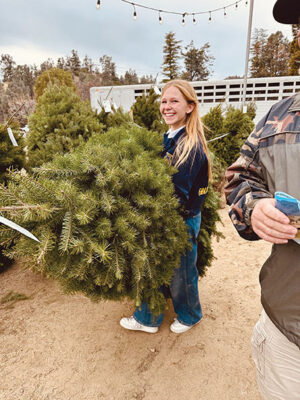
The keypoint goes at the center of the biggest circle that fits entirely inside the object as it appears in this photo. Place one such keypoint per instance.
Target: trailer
(264, 92)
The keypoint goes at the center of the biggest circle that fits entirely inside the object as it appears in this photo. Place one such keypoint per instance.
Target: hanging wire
(184, 13)
(194, 19)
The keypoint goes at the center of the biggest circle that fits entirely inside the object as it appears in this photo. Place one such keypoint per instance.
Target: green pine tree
(198, 62)
(239, 125)
(106, 217)
(113, 119)
(209, 219)
(236, 124)
(294, 64)
(53, 76)
(60, 123)
(172, 52)
(11, 157)
(146, 112)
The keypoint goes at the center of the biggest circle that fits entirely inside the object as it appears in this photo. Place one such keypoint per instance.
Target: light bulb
(183, 20)
(209, 19)
(98, 4)
(194, 19)
(225, 14)
(160, 18)
(134, 15)
(236, 6)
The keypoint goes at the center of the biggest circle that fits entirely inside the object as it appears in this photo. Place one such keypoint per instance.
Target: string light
(160, 18)
(134, 12)
(184, 14)
(98, 4)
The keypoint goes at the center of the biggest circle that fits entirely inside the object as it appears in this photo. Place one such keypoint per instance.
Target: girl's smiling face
(174, 108)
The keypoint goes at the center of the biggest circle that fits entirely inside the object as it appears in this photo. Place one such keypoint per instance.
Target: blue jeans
(183, 286)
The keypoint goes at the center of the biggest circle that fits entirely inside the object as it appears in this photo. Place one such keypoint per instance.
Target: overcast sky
(33, 30)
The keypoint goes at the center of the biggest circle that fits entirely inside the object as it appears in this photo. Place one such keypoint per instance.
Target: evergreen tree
(53, 76)
(236, 124)
(294, 65)
(61, 63)
(108, 69)
(147, 79)
(106, 217)
(213, 122)
(209, 219)
(4, 103)
(197, 62)
(60, 123)
(130, 78)
(87, 65)
(114, 119)
(11, 157)
(146, 112)
(239, 125)
(214, 127)
(269, 54)
(171, 51)
(48, 64)
(7, 66)
(25, 76)
(73, 63)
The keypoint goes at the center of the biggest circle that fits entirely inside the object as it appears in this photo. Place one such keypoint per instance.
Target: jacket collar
(175, 138)
(296, 103)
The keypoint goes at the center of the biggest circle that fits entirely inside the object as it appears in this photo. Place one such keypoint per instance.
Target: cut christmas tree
(106, 217)
(11, 156)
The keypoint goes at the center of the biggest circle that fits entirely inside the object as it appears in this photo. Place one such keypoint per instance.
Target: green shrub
(60, 123)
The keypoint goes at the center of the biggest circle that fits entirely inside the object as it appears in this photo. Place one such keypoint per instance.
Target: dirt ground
(58, 347)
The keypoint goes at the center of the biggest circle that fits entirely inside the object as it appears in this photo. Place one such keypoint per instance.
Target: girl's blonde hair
(193, 127)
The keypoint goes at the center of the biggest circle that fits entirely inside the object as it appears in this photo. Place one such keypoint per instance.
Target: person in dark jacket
(185, 148)
(269, 163)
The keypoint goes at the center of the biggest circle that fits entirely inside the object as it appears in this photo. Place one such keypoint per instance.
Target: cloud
(32, 31)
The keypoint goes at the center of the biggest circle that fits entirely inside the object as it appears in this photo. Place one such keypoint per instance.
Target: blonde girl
(185, 148)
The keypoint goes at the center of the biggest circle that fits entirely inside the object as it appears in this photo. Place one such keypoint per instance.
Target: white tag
(107, 106)
(156, 90)
(11, 136)
(17, 227)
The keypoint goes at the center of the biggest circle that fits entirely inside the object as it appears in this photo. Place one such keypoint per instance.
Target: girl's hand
(271, 224)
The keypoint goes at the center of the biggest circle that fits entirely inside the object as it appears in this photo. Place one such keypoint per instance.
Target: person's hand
(271, 224)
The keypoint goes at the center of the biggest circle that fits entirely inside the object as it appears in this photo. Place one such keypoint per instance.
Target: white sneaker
(178, 327)
(133, 325)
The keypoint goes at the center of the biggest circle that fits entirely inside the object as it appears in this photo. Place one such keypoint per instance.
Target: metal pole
(247, 53)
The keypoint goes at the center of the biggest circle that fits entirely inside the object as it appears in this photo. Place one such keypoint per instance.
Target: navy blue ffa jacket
(191, 180)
